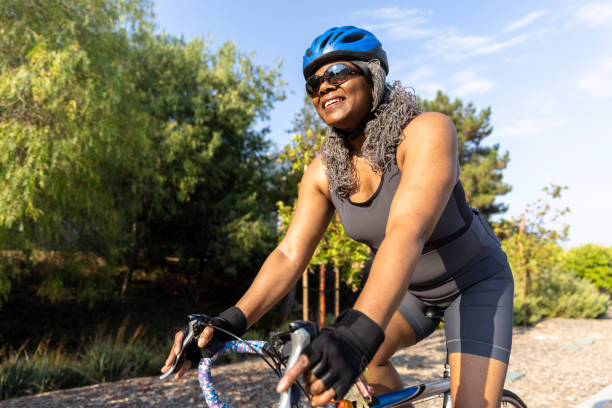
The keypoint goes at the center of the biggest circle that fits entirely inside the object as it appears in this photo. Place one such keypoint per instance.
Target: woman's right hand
(188, 362)
(231, 320)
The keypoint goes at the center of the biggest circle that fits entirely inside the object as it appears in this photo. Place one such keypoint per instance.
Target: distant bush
(592, 262)
(111, 359)
(560, 294)
(105, 358)
(45, 370)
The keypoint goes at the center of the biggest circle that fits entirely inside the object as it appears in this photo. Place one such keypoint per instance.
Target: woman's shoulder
(428, 121)
(428, 128)
(315, 176)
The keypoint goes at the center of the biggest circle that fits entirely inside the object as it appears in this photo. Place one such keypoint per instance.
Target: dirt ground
(556, 363)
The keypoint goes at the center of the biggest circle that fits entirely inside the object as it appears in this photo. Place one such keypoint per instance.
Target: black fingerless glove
(232, 320)
(343, 350)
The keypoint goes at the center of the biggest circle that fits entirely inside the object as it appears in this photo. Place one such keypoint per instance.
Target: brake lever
(197, 323)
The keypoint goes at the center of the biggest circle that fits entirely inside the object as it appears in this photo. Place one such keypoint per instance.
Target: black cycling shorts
(477, 318)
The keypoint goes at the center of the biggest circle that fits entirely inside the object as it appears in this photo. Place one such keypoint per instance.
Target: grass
(76, 350)
(23, 373)
(70, 344)
(104, 358)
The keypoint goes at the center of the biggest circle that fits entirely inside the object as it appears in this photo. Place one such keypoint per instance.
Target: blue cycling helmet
(347, 42)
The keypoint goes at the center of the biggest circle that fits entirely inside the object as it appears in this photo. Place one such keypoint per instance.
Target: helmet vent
(336, 36)
(324, 43)
(352, 38)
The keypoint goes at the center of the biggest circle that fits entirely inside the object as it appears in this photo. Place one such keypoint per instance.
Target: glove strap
(236, 319)
(367, 334)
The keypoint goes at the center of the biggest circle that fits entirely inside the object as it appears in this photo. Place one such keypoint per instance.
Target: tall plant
(129, 147)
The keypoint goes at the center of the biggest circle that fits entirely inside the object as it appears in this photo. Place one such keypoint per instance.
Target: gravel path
(562, 362)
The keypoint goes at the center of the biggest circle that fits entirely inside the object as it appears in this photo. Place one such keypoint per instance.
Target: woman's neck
(357, 144)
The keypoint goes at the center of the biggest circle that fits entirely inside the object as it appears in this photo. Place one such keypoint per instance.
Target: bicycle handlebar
(205, 378)
(299, 334)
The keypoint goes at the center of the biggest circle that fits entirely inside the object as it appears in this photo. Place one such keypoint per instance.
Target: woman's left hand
(333, 361)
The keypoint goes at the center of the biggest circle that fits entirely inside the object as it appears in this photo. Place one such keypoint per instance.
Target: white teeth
(331, 101)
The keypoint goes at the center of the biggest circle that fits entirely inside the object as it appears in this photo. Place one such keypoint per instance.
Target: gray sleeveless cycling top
(455, 241)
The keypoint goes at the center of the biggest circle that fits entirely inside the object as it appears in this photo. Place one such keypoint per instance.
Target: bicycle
(283, 349)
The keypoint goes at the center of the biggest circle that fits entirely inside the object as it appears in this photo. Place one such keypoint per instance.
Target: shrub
(108, 359)
(16, 377)
(592, 262)
(46, 370)
(560, 294)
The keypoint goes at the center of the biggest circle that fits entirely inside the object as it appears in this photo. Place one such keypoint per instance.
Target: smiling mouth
(332, 102)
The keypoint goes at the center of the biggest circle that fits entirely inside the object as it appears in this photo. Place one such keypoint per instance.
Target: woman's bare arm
(287, 262)
(427, 157)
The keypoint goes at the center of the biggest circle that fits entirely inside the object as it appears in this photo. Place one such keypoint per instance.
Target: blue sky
(544, 68)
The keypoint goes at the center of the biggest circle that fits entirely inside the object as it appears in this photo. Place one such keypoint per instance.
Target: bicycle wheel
(510, 399)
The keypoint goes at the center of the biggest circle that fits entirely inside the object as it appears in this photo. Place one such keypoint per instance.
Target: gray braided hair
(393, 107)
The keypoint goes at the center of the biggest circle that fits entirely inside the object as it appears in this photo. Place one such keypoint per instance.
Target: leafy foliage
(105, 358)
(111, 359)
(543, 286)
(560, 293)
(592, 262)
(120, 144)
(210, 207)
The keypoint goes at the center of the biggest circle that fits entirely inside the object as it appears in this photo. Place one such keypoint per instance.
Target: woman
(392, 173)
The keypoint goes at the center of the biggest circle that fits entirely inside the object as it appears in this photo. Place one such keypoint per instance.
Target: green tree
(130, 146)
(592, 262)
(72, 132)
(481, 165)
(543, 287)
(212, 207)
(532, 247)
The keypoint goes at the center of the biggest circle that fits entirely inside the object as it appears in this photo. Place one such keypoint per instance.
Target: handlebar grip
(204, 375)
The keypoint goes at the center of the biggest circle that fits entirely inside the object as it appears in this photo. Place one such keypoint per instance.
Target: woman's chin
(339, 123)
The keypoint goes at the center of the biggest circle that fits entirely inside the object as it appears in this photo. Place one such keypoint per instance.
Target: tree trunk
(523, 269)
(321, 296)
(336, 290)
(131, 262)
(305, 296)
(127, 279)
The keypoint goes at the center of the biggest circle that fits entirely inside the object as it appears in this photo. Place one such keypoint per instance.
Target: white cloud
(530, 127)
(445, 42)
(499, 45)
(398, 23)
(389, 13)
(469, 83)
(595, 14)
(401, 31)
(526, 20)
(597, 83)
(454, 46)
(424, 80)
(538, 116)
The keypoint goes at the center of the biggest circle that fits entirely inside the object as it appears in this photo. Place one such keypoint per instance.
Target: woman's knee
(398, 334)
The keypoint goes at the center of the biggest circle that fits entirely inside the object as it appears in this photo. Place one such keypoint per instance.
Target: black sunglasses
(335, 75)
